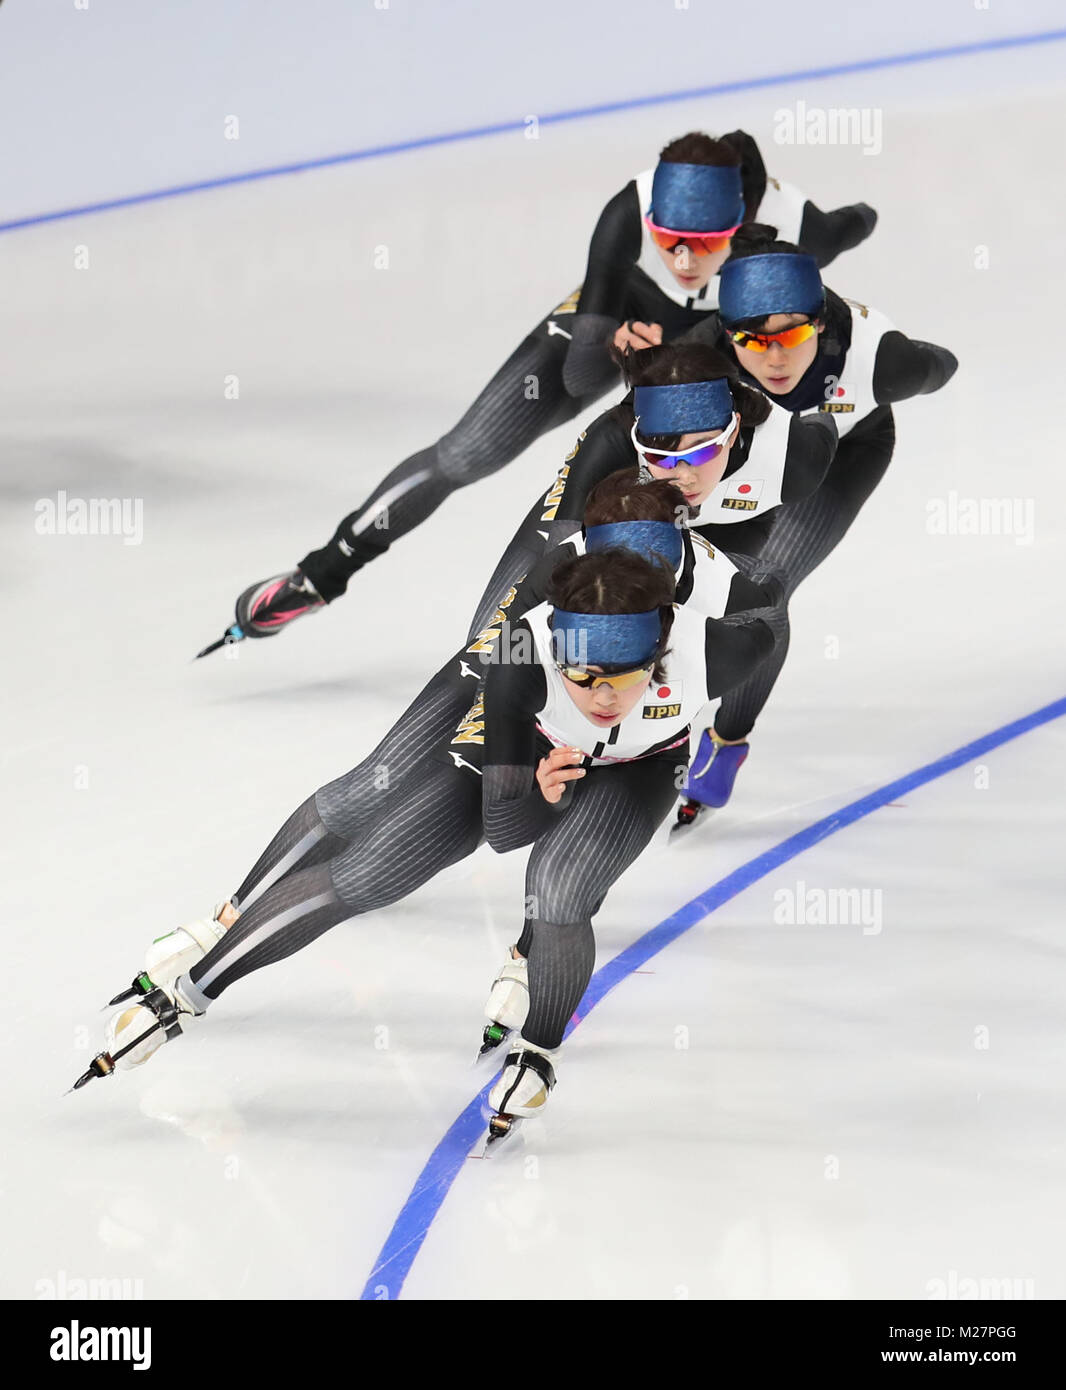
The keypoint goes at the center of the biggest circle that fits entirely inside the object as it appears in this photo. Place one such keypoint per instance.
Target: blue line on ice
(745, 84)
(412, 1225)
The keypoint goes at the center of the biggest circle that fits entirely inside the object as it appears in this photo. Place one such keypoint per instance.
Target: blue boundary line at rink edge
(553, 118)
(445, 1163)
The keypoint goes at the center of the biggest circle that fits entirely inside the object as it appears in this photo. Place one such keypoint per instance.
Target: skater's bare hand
(556, 770)
(637, 335)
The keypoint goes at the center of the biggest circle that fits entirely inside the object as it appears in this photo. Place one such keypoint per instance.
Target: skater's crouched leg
(302, 842)
(433, 822)
(524, 400)
(614, 813)
(350, 805)
(560, 963)
(287, 917)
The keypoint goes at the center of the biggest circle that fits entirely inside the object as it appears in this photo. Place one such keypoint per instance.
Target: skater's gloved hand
(636, 335)
(554, 771)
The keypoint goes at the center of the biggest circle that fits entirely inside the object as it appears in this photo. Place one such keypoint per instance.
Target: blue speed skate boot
(710, 779)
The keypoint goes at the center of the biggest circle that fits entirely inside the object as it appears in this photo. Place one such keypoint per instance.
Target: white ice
(772, 1110)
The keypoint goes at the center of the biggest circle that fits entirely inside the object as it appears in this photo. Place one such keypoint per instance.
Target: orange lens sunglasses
(698, 245)
(760, 342)
(621, 680)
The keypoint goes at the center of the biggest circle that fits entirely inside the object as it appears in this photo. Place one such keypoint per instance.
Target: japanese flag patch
(663, 701)
(839, 398)
(742, 496)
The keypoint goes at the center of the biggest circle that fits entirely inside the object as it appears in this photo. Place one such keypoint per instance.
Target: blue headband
(754, 287)
(605, 639)
(686, 409)
(697, 198)
(647, 539)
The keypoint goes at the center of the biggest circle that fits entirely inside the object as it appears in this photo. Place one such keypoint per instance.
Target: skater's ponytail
(758, 239)
(698, 148)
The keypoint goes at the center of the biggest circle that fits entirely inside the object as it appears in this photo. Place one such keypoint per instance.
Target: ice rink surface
(770, 1108)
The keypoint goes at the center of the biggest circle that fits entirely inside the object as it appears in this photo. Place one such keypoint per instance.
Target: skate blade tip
(229, 637)
(487, 1148)
(490, 1046)
(500, 1128)
(681, 828)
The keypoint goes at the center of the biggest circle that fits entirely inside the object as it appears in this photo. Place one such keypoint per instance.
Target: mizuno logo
(460, 761)
(472, 727)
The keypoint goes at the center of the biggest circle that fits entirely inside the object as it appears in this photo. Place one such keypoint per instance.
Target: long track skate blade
(500, 1128)
(231, 635)
(681, 829)
(137, 990)
(489, 1048)
(491, 1147)
(103, 1064)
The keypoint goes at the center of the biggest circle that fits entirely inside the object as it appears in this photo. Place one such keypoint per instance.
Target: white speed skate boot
(507, 1005)
(523, 1088)
(154, 1003)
